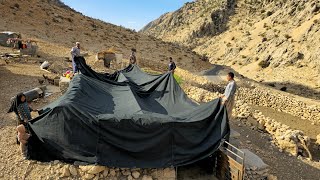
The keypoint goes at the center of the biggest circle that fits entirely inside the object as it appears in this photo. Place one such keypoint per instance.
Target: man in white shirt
(228, 98)
(75, 52)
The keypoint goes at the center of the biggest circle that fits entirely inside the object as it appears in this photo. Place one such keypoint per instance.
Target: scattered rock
(88, 176)
(112, 173)
(129, 177)
(146, 177)
(73, 171)
(65, 171)
(105, 173)
(96, 169)
(272, 177)
(55, 162)
(126, 172)
(92, 169)
(136, 174)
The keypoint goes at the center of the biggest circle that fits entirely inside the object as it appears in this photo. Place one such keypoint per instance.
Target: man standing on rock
(75, 52)
(228, 97)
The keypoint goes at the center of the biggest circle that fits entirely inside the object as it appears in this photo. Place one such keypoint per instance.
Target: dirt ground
(311, 130)
(281, 164)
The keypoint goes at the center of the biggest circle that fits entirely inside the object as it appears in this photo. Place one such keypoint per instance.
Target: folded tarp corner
(127, 119)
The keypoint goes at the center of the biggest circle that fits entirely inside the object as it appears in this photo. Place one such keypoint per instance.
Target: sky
(133, 14)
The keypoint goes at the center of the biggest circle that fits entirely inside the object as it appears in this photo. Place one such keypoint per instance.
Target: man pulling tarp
(228, 98)
(75, 52)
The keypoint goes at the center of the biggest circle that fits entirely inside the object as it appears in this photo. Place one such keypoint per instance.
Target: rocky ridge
(263, 40)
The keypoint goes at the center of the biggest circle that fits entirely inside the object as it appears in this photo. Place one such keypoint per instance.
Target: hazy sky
(132, 14)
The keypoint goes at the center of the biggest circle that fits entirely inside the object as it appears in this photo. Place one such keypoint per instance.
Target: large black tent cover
(127, 119)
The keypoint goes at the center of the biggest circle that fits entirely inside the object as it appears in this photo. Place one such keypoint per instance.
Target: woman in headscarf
(20, 107)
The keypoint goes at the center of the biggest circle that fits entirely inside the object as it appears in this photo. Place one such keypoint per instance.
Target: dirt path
(311, 130)
(294, 122)
(281, 164)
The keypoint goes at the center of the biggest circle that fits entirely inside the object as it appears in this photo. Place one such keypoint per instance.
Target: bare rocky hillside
(57, 27)
(270, 122)
(275, 42)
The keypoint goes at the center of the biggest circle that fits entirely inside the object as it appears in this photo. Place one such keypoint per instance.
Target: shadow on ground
(196, 171)
(296, 89)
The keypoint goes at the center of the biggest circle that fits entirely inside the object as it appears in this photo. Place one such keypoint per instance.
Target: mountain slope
(270, 41)
(57, 27)
(195, 20)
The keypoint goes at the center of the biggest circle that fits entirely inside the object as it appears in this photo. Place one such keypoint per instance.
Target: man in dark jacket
(172, 65)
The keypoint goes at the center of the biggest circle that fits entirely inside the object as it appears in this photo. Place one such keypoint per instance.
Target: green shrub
(178, 79)
(264, 64)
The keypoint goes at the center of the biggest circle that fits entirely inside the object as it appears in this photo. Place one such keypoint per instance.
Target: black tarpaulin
(127, 119)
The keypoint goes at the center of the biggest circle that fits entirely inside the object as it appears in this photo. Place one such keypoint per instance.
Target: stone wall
(287, 139)
(260, 96)
(280, 102)
(291, 141)
(101, 172)
(263, 96)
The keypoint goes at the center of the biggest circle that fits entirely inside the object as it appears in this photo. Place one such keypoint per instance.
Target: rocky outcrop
(265, 40)
(194, 20)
